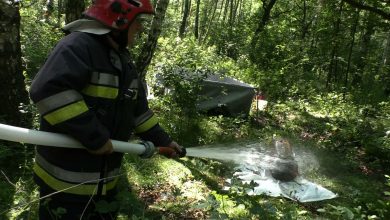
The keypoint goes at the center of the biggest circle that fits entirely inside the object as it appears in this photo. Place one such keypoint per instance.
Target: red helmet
(118, 14)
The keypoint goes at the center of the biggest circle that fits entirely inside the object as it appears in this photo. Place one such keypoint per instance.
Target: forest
(322, 66)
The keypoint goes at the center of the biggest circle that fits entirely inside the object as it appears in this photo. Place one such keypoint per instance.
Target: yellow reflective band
(66, 112)
(148, 124)
(58, 100)
(78, 189)
(101, 91)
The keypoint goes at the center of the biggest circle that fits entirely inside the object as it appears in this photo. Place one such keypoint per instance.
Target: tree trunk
(372, 9)
(231, 9)
(314, 40)
(60, 5)
(225, 13)
(196, 26)
(352, 44)
(240, 14)
(12, 91)
(333, 65)
(149, 47)
(209, 23)
(260, 27)
(205, 19)
(384, 69)
(305, 26)
(386, 52)
(234, 12)
(186, 13)
(220, 10)
(364, 48)
(73, 10)
(263, 21)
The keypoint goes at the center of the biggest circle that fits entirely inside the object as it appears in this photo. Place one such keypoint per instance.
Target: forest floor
(193, 188)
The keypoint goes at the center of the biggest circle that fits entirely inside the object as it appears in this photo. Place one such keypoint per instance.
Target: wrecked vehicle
(217, 94)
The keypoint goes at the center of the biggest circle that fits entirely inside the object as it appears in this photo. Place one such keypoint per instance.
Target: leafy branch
(375, 10)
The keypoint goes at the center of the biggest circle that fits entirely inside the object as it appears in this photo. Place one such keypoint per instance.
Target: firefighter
(89, 89)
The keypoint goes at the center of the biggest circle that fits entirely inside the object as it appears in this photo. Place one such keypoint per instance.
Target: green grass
(193, 188)
(160, 188)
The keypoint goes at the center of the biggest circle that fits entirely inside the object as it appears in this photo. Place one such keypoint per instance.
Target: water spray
(252, 161)
(285, 167)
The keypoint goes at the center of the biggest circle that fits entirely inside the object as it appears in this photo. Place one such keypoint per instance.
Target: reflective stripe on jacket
(92, 93)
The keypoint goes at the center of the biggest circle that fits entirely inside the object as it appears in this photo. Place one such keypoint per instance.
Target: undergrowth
(193, 187)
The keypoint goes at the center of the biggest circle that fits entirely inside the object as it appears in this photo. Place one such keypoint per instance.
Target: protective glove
(167, 152)
(182, 151)
(173, 150)
(107, 148)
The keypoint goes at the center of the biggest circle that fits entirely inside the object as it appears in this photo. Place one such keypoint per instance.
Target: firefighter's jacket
(91, 92)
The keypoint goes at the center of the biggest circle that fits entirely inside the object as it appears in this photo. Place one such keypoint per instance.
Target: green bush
(38, 37)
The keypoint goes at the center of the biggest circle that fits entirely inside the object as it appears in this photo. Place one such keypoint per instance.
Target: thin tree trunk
(60, 5)
(196, 26)
(225, 13)
(220, 11)
(240, 14)
(333, 65)
(263, 21)
(12, 91)
(205, 18)
(314, 23)
(231, 9)
(352, 44)
(385, 65)
(234, 16)
(149, 47)
(304, 21)
(364, 48)
(386, 53)
(210, 23)
(73, 10)
(186, 12)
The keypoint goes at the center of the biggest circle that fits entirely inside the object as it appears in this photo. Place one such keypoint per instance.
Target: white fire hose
(29, 136)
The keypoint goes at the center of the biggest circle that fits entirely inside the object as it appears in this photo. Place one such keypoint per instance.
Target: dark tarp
(225, 95)
(218, 94)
